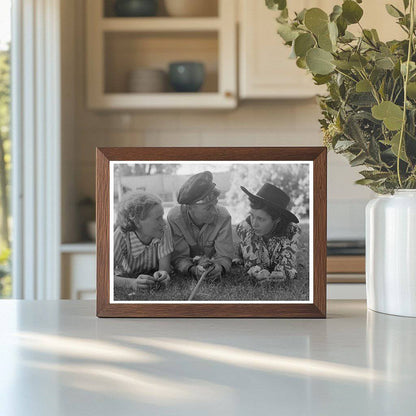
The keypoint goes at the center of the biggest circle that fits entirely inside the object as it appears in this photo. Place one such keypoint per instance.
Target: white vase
(391, 253)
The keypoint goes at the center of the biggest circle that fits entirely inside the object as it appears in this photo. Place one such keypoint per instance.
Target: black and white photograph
(196, 231)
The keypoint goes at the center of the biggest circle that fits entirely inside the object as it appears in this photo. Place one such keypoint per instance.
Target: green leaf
(319, 61)
(358, 61)
(411, 90)
(375, 35)
(358, 160)
(316, 20)
(336, 12)
(354, 131)
(321, 79)
(342, 25)
(390, 113)
(394, 143)
(361, 99)
(412, 67)
(363, 86)
(276, 4)
(333, 32)
(303, 43)
(343, 65)
(364, 181)
(393, 11)
(374, 150)
(325, 42)
(284, 14)
(368, 36)
(347, 37)
(286, 32)
(351, 11)
(343, 145)
(382, 88)
(301, 63)
(385, 63)
(375, 175)
(406, 4)
(300, 17)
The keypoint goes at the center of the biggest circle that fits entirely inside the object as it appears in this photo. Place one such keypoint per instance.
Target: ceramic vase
(391, 253)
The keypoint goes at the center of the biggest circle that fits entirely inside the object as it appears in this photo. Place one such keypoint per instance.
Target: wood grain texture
(346, 264)
(213, 310)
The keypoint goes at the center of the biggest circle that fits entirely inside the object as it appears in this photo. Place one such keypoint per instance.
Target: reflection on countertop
(355, 362)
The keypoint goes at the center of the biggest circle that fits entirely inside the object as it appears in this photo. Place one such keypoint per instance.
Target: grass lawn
(235, 286)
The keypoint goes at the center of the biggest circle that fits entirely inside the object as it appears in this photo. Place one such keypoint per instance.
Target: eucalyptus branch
(345, 75)
(364, 61)
(392, 90)
(373, 89)
(406, 80)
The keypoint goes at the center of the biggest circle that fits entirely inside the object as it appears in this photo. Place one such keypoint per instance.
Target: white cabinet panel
(265, 68)
(78, 276)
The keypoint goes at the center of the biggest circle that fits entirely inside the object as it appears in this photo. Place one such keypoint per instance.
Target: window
(5, 141)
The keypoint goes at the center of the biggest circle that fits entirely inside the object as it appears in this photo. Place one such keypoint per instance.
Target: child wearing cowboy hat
(269, 236)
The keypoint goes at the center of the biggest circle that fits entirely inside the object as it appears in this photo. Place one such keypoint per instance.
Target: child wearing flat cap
(201, 227)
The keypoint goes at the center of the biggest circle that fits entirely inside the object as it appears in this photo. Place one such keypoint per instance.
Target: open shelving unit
(118, 45)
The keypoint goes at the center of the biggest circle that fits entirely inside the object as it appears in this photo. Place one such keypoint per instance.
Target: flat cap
(198, 188)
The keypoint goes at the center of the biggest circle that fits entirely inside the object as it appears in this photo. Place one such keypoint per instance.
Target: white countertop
(57, 358)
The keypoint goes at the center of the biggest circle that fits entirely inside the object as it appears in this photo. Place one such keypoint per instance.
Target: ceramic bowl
(135, 8)
(186, 76)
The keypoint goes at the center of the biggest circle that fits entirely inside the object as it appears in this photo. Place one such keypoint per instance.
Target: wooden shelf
(159, 24)
(116, 46)
(163, 101)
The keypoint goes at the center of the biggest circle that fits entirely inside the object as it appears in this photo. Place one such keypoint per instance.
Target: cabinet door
(265, 68)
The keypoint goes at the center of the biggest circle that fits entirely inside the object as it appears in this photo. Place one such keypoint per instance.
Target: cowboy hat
(273, 197)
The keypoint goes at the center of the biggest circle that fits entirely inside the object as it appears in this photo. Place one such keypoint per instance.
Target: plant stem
(345, 75)
(406, 80)
(373, 89)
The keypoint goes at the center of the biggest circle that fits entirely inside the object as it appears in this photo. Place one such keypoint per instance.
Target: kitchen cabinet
(265, 70)
(78, 271)
(118, 45)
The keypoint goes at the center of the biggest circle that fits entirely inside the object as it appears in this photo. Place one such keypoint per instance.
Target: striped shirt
(132, 257)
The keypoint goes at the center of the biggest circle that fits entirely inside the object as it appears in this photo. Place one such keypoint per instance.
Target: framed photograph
(211, 232)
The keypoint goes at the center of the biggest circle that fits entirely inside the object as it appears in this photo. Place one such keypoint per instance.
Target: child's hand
(262, 275)
(162, 277)
(278, 276)
(144, 281)
(253, 271)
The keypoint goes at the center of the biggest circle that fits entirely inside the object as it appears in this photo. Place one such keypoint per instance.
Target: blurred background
(165, 180)
(102, 73)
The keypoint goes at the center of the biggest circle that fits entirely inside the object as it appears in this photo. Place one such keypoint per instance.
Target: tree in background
(5, 160)
(140, 169)
(291, 178)
(5, 165)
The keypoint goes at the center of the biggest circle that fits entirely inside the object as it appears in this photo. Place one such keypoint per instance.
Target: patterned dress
(278, 253)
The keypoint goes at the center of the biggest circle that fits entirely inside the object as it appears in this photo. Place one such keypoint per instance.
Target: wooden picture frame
(315, 307)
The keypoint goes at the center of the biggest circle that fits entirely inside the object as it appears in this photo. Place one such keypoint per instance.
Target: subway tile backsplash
(259, 123)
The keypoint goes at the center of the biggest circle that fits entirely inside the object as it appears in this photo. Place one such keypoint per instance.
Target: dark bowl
(136, 8)
(186, 76)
